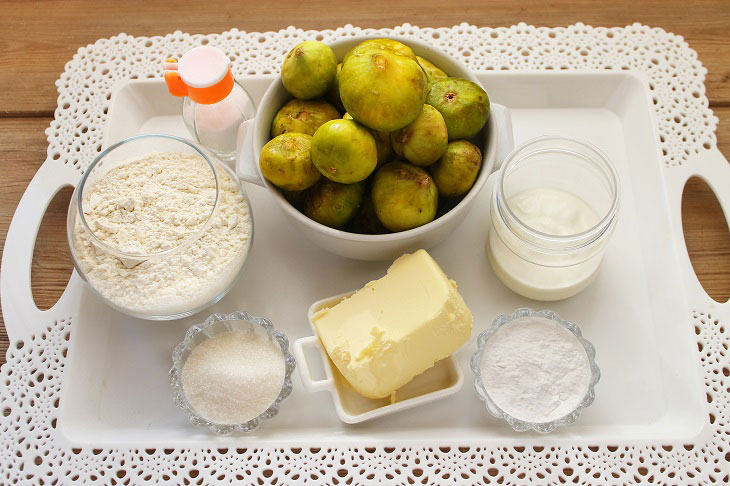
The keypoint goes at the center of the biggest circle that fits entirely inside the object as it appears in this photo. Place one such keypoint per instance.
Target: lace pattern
(32, 451)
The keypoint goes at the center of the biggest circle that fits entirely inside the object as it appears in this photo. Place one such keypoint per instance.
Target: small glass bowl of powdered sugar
(232, 372)
(534, 370)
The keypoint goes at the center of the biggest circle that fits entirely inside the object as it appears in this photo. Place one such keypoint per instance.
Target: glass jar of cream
(554, 208)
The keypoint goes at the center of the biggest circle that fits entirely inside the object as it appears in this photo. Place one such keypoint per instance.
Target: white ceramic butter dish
(445, 378)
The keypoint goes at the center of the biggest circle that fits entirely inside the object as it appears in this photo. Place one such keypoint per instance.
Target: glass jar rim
(566, 242)
(139, 256)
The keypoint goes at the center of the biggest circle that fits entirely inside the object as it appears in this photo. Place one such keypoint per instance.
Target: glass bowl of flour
(158, 227)
(534, 370)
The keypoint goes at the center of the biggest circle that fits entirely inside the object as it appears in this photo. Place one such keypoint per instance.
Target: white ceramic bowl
(438, 382)
(495, 138)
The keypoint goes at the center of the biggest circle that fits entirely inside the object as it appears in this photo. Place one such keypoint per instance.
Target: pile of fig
(379, 143)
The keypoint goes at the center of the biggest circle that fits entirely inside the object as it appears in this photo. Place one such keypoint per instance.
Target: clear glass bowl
(496, 411)
(197, 300)
(214, 325)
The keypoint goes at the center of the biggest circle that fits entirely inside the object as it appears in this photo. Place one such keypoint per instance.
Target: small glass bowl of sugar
(534, 370)
(232, 372)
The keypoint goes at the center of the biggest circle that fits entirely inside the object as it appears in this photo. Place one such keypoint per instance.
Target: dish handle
(19, 309)
(246, 162)
(712, 167)
(304, 372)
(504, 137)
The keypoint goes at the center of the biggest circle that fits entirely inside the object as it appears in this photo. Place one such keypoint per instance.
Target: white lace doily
(33, 452)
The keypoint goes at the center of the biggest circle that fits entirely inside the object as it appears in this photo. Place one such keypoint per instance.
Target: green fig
(404, 196)
(384, 45)
(463, 104)
(344, 151)
(423, 141)
(333, 204)
(433, 73)
(286, 161)
(301, 116)
(381, 87)
(457, 169)
(333, 94)
(309, 70)
(382, 144)
(366, 222)
(295, 198)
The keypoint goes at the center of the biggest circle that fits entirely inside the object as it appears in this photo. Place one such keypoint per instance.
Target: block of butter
(395, 327)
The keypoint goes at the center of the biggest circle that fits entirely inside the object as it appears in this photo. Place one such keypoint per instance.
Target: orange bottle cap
(203, 73)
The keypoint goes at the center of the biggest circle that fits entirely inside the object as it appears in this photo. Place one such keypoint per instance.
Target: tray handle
(305, 373)
(20, 312)
(712, 167)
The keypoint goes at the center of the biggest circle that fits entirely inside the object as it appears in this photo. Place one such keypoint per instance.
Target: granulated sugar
(535, 370)
(233, 377)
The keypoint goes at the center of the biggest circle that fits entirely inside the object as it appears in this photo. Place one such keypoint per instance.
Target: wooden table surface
(38, 37)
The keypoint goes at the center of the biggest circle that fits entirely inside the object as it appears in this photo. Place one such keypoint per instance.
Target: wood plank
(23, 146)
(707, 238)
(38, 38)
(705, 227)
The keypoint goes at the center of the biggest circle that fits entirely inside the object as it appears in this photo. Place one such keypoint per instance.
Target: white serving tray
(635, 313)
(115, 390)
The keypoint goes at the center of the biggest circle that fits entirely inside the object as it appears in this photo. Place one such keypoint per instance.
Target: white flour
(535, 370)
(233, 377)
(151, 204)
(182, 281)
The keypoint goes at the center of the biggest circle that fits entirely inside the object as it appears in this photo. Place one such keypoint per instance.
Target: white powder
(535, 370)
(182, 281)
(233, 377)
(152, 203)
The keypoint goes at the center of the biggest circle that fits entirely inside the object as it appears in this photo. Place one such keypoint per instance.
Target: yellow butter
(395, 327)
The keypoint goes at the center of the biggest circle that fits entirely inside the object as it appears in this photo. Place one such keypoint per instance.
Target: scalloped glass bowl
(521, 425)
(218, 324)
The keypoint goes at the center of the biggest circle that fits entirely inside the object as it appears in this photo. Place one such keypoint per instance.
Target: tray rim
(553, 438)
(408, 442)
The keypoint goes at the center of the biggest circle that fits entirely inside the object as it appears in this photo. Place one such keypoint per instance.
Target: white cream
(553, 211)
(531, 273)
